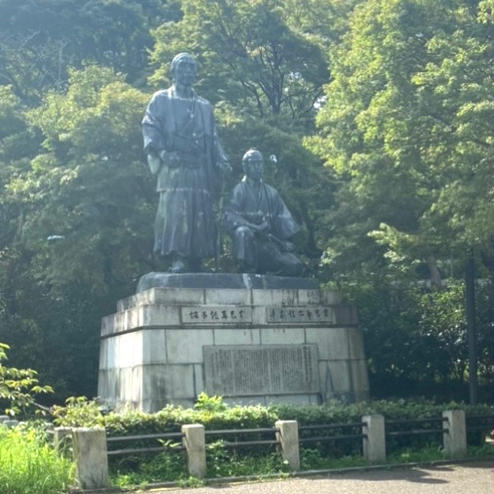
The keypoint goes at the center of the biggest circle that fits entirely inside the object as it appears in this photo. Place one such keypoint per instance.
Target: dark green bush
(214, 415)
(136, 469)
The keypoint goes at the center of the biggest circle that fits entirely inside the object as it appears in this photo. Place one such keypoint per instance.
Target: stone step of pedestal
(229, 296)
(296, 344)
(217, 316)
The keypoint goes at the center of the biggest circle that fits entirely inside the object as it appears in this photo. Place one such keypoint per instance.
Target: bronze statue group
(184, 152)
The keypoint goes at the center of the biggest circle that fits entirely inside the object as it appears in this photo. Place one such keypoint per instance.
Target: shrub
(29, 465)
(18, 387)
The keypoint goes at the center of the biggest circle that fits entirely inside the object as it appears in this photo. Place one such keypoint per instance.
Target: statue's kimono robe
(184, 223)
(261, 252)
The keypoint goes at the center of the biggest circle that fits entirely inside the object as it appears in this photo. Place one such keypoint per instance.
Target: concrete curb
(302, 473)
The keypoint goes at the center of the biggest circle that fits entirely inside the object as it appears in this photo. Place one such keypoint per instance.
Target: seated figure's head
(253, 164)
(184, 69)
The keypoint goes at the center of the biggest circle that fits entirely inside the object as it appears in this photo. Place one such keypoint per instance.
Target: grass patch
(223, 462)
(139, 471)
(312, 459)
(28, 464)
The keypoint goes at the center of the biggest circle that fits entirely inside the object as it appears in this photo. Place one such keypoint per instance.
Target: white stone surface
(289, 336)
(179, 380)
(108, 324)
(245, 401)
(103, 352)
(128, 351)
(360, 379)
(159, 315)
(179, 296)
(287, 435)
(309, 297)
(455, 439)
(198, 379)
(185, 345)
(130, 385)
(329, 297)
(374, 444)
(164, 384)
(332, 342)
(236, 336)
(153, 347)
(274, 297)
(336, 376)
(151, 357)
(228, 296)
(163, 296)
(195, 446)
(355, 343)
(305, 399)
(90, 457)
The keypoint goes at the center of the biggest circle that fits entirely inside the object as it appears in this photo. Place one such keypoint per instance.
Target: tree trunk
(471, 330)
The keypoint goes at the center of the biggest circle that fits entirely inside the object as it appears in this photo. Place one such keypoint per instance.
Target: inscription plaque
(216, 314)
(300, 315)
(247, 370)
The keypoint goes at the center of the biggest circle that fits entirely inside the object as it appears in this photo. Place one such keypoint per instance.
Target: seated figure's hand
(171, 159)
(288, 246)
(262, 227)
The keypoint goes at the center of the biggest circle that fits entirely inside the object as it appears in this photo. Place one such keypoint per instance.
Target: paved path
(464, 478)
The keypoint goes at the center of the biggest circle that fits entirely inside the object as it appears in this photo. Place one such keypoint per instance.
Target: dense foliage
(18, 387)
(82, 413)
(378, 113)
(29, 464)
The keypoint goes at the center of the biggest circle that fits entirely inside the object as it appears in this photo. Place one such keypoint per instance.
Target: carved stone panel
(248, 370)
(301, 314)
(217, 314)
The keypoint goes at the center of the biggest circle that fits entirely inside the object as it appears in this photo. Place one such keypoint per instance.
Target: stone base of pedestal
(167, 345)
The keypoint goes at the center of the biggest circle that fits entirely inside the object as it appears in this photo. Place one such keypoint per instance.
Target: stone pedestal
(249, 345)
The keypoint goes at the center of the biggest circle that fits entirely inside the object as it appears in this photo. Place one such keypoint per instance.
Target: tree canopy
(378, 112)
(406, 125)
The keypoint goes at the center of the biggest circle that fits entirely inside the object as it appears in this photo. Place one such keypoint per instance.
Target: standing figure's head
(183, 69)
(253, 165)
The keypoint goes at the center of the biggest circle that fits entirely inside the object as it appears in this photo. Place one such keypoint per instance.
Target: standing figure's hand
(154, 163)
(171, 159)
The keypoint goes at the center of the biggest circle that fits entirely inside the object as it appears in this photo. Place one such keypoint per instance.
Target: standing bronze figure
(260, 224)
(183, 150)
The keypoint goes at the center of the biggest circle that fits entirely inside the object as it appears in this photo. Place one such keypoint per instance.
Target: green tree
(406, 130)
(81, 215)
(41, 39)
(18, 387)
(406, 127)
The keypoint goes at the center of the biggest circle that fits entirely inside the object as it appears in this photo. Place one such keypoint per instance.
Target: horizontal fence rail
(333, 437)
(144, 437)
(163, 435)
(437, 420)
(472, 423)
(412, 432)
(241, 431)
(415, 432)
(373, 431)
(153, 449)
(329, 426)
(237, 444)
